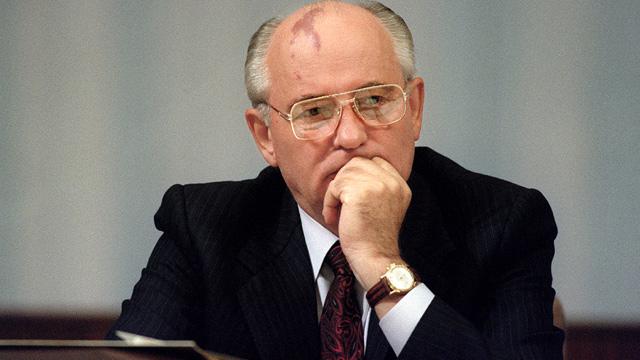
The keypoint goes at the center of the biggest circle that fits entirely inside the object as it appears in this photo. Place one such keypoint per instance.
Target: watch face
(401, 278)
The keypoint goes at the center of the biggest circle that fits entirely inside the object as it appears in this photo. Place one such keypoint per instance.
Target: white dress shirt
(398, 324)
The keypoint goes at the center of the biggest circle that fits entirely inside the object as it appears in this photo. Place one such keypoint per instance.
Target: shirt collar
(319, 240)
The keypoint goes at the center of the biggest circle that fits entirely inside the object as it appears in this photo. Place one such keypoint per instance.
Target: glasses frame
(287, 116)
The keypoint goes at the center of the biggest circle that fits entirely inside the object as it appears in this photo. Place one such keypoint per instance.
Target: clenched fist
(368, 200)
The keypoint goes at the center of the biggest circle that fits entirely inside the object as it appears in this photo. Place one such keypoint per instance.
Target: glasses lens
(314, 118)
(381, 105)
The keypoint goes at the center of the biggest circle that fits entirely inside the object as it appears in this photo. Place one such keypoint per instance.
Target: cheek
(403, 148)
(293, 159)
(407, 166)
(281, 138)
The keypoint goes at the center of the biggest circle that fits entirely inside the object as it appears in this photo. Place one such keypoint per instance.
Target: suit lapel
(278, 299)
(377, 344)
(424, 241)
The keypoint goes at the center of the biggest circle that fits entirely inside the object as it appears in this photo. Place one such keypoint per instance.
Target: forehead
(326, 49)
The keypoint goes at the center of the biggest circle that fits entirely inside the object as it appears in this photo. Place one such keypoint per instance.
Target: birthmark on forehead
(305, 25)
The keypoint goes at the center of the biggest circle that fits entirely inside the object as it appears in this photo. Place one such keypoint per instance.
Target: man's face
(318, 52)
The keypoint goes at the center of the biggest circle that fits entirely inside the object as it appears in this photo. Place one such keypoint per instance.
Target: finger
(331, 204)
(384, 164)
(360, 166)
(393, 173)
(356, 164)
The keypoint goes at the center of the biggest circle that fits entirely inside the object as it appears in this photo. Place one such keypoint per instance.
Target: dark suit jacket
(231, 270)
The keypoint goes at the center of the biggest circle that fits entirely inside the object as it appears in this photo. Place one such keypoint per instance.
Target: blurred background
(105, 104)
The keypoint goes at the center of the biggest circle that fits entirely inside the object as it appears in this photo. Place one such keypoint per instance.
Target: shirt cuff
(398, 324)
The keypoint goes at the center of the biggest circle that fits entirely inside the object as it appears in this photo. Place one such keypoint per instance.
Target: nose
(351, 131)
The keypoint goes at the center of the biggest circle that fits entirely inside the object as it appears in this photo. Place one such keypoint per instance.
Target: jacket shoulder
(473, 203)
(202, 209)
(453, 185)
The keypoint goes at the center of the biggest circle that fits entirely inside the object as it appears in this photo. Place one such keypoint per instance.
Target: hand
(368, 200)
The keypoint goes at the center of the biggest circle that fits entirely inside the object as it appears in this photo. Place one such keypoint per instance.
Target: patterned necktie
(340, 324)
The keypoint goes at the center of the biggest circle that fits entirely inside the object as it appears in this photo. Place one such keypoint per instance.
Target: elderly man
(353, 243)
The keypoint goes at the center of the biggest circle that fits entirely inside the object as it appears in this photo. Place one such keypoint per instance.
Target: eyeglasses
(315, 118)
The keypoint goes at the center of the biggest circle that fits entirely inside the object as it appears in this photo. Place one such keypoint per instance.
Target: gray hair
(256, 76)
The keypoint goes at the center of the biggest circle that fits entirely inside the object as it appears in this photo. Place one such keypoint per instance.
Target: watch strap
(378, 292)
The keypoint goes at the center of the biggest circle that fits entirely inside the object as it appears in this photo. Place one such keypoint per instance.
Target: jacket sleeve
(165, 303)
(519, 319)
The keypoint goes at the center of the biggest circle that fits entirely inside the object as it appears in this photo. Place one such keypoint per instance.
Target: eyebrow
(313, 96)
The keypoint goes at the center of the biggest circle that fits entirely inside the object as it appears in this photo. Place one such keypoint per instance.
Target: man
(243, 269)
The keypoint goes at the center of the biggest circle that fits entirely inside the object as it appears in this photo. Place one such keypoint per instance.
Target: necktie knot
(336, 260)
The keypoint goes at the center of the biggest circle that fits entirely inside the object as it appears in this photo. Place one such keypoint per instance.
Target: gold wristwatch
(399, 279)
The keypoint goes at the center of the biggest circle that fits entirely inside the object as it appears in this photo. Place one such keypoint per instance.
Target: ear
(416, 106)
(261, 135)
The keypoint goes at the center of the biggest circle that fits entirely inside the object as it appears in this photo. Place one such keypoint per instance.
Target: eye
(312, 112)
(318, 112)
(373, 100)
